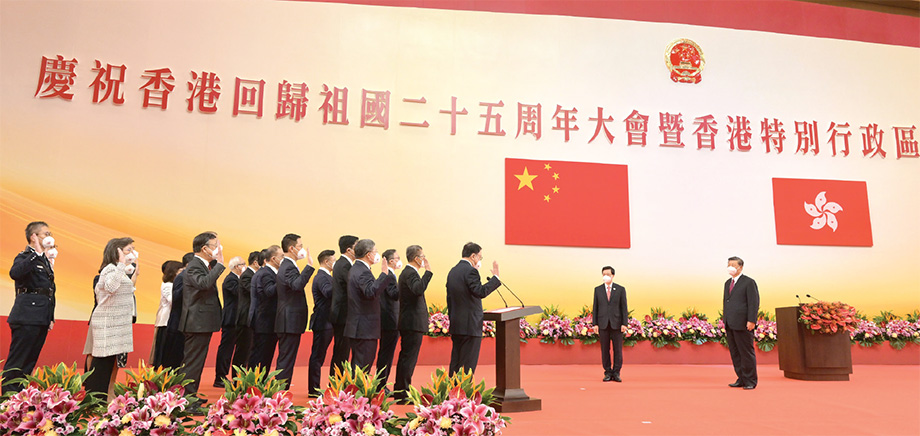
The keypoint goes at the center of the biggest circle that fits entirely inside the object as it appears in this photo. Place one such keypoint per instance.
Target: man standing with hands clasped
(740, 303)
(610, 315)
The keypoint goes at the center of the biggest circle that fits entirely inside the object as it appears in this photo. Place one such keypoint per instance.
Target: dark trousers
(26, 342)
(464, 353)
(242, 349)
(196, 350)
(263, 350)
(173, 349)
(321, 340)
(159, 340)
(98, 381)
(362, 352)
(606, 336)
(741, 349)
(288, 345)
(340, 348)
(410, 342)
(388, 341)
(228, 336)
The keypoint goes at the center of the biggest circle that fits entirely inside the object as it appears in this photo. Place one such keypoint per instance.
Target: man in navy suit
(228, 328)
(244, 337)
(611, 315)
(362, 324)
(264, 308)
(319, 322)
(413, 317)
(465, 292)
(292, 310)
(338, 312)
(389, 317)
(174, 346)
(740, 304)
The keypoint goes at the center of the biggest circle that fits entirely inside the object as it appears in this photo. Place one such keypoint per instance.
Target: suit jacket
(413, 309)
(264, 301)
(200, 304)
(291, 314)
(742, 305)
(389, 305)
(32, 271)
(613, 313)
(465, 292)
(242, 303)
(175, 311)
(339, 310)
(231, 292)
(322, 301)
(363, 318)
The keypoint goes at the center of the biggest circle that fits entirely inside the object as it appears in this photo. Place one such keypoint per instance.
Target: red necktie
(608, 293)
(731, 286)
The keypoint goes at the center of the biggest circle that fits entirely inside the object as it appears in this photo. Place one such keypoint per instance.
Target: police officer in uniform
(33, 311)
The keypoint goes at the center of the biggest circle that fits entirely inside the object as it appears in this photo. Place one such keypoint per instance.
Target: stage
(695, 400)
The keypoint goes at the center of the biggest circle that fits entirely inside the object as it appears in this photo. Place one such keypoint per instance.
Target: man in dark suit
(291, 314)
(465, 292)
(339, 310)
(244, 336)
(32, 314)
(740, 304)
(319, 322)
(389, 316)
(174, 347)
(362, 324)
(611, 315)
(200, 305)
(264, 309)
(228, 329)
(413, 317)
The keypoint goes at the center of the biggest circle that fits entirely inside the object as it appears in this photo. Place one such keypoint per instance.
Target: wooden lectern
(804, 355)
(508, 391)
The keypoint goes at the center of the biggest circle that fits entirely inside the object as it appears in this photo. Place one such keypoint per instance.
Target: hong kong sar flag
(575, 204)
(821, 212)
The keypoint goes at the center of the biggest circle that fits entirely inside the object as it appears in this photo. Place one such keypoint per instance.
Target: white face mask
(48, 242)
(398, 264)
(129, 269)
(51, 253)
(130, 257)
(607, 279)
(217, 250)
(302, 254)
(136, 254)
(732, 271)
(377, 258)
(479, 264)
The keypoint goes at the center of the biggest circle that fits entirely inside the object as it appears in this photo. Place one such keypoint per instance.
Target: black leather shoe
(218, 385)
(608, 377)
(736, 384)
(616, 378)
(749, 387)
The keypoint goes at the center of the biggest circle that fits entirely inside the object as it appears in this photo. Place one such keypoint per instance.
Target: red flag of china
(821, 212)
(575, 204)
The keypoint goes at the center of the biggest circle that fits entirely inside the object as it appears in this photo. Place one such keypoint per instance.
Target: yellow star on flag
(555, 189)
(555, 176)
(546, 198)
(526, 179)
(546, 167)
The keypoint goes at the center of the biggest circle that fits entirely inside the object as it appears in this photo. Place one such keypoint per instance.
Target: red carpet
(695, 400)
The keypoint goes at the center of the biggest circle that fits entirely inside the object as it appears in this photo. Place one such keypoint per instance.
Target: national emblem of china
(684, 58)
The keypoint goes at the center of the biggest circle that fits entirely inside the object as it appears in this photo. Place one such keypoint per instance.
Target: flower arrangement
(635, 332)
(584, 327)
(254, 402)
(554, 326)
(661, 329)
(354, 404)
(488, 329)
(53, 404)
(697, 330)
(765, 333)
(438, 321)
(900, 332)
(527, 330)
(720, 330)
(867, 334)
(826, 317)
(153, 415)
(453, 406)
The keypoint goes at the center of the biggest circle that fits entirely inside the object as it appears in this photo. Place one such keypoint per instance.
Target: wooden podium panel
(804, 355)
(508, 391)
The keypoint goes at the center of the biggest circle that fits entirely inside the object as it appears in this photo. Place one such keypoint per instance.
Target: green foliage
(255, 381)
(658, 312)
(764, 315)
(691, 312)
(434, 308)
(550, 311)
(913, 316)
(360, 382)
(70, 380)
(148, 380)
(443, 386)
(883, 317)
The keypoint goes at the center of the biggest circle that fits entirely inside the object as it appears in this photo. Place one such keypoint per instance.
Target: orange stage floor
(695, 400)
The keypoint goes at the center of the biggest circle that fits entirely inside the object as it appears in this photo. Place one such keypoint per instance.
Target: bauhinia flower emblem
(823, 211)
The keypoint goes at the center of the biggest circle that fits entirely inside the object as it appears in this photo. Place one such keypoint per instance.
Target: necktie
(608, 293)
(731, 286)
